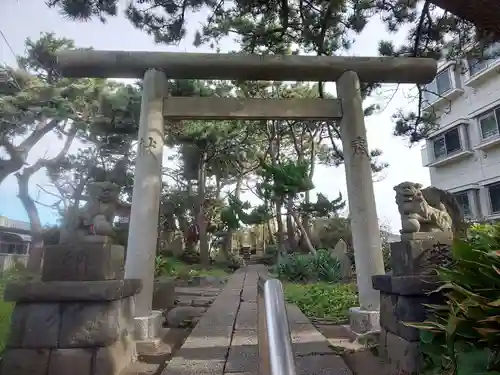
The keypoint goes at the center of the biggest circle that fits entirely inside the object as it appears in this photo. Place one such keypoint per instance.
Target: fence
(275, 344)
(10, 260)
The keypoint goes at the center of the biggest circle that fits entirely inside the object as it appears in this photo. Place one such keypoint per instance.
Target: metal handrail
(275, 344)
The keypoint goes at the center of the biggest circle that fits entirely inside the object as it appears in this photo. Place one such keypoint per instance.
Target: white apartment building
(463, 154)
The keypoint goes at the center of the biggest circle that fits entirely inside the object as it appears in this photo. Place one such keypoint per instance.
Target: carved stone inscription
(85, 262)
(359, 146)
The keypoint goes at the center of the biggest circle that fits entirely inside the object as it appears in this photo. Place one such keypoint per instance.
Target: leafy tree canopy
(318, 27)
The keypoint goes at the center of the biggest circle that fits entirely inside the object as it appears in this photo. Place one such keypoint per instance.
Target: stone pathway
(224, 342)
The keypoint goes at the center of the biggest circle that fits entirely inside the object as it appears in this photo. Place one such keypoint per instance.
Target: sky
(118, 34)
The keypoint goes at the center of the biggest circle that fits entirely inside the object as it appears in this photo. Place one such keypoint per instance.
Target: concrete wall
(475, 166)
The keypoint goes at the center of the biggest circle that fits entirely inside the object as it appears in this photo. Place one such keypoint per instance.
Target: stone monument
(430, 219)
(339, 252)
(88, 234)
(79, 318)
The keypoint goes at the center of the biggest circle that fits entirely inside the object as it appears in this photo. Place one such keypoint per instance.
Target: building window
(439, 86)
(464, 201)
(494, 192)
(489, 56)
(489, 123)
(447, 144)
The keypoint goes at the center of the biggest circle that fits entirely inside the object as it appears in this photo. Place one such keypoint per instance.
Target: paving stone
(75, 361)
(62, 291)
(295, 315)
(35, 325)
(321, 365)
(182, 366)
(244, 352)
(163, 294)
(178, 316)
(202, 301)
(306, 340)
(90, 324)
(247, 316)
(196, 291)
(25, 362)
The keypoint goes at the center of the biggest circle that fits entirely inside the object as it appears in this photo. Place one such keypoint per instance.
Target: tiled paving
(224, 342)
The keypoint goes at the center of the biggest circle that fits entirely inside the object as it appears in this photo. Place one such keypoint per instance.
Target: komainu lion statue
(96, 217)
(427, 210)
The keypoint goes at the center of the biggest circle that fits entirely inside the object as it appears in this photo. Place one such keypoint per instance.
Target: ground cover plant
(462, 336)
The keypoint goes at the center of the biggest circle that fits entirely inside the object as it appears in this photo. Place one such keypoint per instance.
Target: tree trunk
(279, 226)
(201, 217)
(36, 250)
(270, 235)
(230, 232)
(290, 228)
(307, 240)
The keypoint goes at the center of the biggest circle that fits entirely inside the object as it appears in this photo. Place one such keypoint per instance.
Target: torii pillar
(146, 195)
(362, 209)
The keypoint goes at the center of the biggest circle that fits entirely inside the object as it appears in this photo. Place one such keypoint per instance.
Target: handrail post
(275, 344)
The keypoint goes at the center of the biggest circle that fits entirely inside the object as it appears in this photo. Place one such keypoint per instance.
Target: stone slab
(306, 339)
(25, 362)
(111, 360)
(61, 291)
(163, 294)
(74, 361)
(35, 326)
(404, 255)
(83, 262)
(91, 324)
(321, 365)
(444, 238)
(295, 315)
(395, 310)
(196, 291)
(247, 316)
(403, 357)
(244, 352)
(194, 366)
(405, 285)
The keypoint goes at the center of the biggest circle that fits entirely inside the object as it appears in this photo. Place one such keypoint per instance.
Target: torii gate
(155, 67)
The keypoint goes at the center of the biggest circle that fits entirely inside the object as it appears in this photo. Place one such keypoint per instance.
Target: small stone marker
(339, 252)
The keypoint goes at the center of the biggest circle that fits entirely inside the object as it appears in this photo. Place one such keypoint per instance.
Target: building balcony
(428, 161)
(488, 143)
(484, 75)
(442, 100)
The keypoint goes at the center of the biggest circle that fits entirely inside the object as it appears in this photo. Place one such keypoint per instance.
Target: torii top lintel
(133, 64)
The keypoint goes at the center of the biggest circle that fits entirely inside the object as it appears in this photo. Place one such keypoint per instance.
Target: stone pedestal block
(71, 327)
(406, 254)
(402, 299)
(83, 262)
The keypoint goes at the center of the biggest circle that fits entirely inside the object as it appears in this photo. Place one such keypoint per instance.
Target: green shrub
(465, 331)
(173, 267)
(323, 300)
(309, 267)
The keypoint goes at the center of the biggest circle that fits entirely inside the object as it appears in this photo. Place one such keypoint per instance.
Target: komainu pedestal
(78, 320)
(403, 295)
